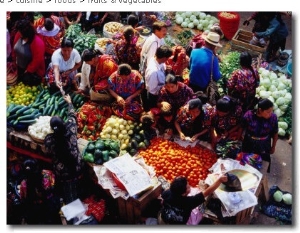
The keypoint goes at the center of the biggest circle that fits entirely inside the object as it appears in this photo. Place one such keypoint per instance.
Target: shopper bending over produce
(194, 120)
(63, 67)
(226, 122)
(174, 94)
(176, 197)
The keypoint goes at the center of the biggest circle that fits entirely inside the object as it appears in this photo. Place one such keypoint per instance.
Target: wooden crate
(243, 217)
(241, 42)
(130, 210)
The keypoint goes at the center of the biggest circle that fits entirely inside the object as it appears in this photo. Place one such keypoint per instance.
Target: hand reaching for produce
(120, 100)
(67, 98)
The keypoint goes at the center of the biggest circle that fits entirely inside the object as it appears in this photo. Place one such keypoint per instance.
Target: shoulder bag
(212, 88)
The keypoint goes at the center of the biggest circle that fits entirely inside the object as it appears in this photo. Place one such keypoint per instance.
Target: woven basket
(104, 96)
(117, 26)
(38, 140)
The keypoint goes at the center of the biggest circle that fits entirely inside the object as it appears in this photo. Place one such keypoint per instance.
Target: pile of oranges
(170, 160)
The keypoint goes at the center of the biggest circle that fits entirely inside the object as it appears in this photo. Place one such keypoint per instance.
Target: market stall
(105, 139)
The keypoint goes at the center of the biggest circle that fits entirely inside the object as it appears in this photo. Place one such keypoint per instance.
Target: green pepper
(88, 157)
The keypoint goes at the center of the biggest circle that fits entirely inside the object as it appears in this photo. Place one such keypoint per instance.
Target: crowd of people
(143, 80)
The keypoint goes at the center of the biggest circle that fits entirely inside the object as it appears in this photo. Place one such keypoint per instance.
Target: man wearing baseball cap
(203, 63)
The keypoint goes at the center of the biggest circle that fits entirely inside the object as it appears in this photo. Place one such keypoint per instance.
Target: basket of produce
(146, 31)
(111, 28)
(101, 44)
(11, 74)
(229, 23)
(100, 151)
(40, 129)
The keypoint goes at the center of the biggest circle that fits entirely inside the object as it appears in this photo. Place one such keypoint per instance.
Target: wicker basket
(114, 25)
(37, 140)
(104, 96)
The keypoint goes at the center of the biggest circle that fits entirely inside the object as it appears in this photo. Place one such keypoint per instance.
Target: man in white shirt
(155, 76)
(159, 31)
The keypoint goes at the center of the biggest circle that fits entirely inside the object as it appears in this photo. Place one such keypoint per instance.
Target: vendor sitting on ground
(126, 85)
(63, 67)
(174, 94)
(193, 121)
(101, 67)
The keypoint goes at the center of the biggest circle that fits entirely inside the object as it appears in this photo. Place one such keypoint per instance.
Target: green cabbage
(281, 132)
(287, 198)
(278, 196)
(283, 125)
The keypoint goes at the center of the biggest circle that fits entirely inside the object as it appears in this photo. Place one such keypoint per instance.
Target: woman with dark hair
(177, 196)
(63, 67)
(194, 120)
(47, 14)
(126, 49)
(243, 82)
(261, 132)
(67, 161)
(174, 94)
(28, 53)
(102, 66)
(126, 85)
(50, 34)
(36, 191)
(226, 122)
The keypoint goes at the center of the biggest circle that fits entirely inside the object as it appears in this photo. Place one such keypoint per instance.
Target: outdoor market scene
(149, 118)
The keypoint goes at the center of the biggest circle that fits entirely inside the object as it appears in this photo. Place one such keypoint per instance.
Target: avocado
(114, 146)
(91, 147)
(99, 161)
(99, 145)
(97, 154)
(113, 154)
(132, 152)
(138, 138)
(134, 144)
(105, 155)
(142, 145)
(147, 142)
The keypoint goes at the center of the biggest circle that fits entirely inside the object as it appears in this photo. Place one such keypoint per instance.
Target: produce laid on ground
(101, 150)
(82, 40)
(45, 104)
(169, 160)
(230, 62)
(278, 89)
(129, 133)
(91, 119)
(22, 94)
(195, 19)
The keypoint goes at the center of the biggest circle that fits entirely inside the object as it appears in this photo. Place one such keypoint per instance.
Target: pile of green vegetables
(277, 88)
(81, 39)
(230, 62)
